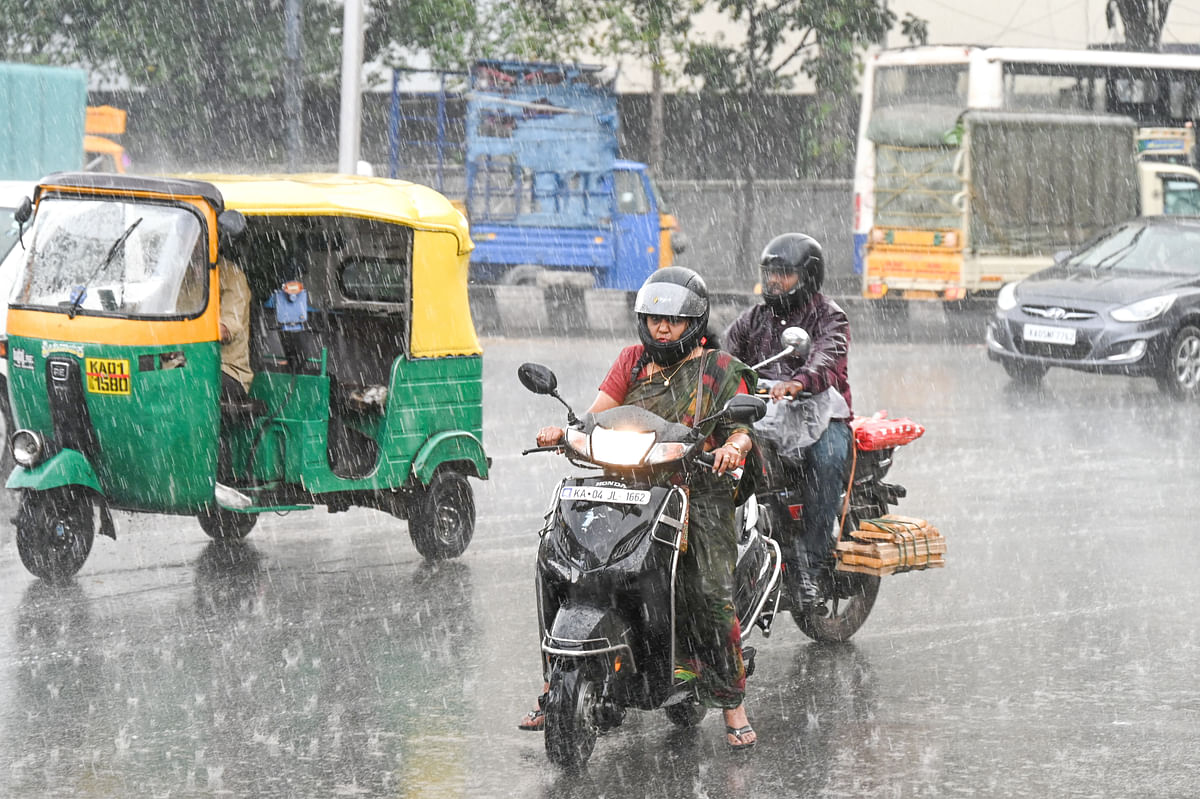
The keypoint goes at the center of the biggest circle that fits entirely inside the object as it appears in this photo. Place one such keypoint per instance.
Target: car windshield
(109, 256)
(1144, 248)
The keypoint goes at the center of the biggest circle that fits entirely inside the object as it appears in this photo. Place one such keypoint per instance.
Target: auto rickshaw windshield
(115, 258)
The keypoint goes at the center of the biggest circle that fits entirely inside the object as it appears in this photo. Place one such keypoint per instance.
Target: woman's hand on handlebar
(725, 458)
(549, 436)
(786, 389)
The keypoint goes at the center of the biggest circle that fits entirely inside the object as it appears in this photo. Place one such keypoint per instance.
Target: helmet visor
(778, 279)
(669, 299)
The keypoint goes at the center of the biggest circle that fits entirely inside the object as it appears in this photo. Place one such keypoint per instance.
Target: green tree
(1143, 21)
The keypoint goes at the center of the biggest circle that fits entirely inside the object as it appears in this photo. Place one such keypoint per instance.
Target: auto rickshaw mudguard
(450, 445)
(66, 467)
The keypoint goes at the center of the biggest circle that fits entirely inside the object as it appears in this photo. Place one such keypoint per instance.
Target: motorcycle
(606, 570)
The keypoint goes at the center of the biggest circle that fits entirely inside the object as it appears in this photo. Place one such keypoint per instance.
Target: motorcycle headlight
(620, 447)
(1006, 300)
(27, 447)
(1143, 310)
(578, 441)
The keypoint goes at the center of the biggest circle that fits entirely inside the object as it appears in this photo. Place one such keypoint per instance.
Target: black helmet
(674, 291)
(798, 253)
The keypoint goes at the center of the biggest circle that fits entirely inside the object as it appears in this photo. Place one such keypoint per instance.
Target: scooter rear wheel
(570, 718)
(55, 529)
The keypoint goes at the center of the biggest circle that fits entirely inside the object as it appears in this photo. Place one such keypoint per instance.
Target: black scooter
(606, 570)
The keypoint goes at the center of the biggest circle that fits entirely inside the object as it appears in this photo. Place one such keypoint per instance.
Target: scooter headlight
(667, 451)
(620, 447)
(578, 441)
(28, 447)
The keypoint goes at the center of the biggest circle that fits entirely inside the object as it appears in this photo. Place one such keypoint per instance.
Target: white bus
(914, 233)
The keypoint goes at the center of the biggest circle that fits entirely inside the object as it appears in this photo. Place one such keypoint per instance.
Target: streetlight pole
(293, 78)
(350, 125)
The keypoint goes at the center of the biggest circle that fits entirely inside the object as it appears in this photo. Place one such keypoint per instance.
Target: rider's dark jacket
(757, 335)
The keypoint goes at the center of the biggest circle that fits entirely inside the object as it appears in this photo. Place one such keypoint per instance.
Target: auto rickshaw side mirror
(231, 224)
(24, 211)
(537, 378)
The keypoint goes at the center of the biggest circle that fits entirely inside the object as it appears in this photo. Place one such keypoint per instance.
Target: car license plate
(618, 496)
(1050, 335)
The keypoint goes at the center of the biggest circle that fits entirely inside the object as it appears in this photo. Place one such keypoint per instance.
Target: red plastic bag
(880, 432)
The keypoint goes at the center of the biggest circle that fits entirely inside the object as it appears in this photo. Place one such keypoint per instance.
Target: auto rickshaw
(367, 386)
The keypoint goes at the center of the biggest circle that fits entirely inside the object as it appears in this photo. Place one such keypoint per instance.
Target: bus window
(1181, 196)
(938, 84)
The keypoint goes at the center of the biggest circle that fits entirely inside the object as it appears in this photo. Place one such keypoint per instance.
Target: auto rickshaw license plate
(619, 496)
(107, 375)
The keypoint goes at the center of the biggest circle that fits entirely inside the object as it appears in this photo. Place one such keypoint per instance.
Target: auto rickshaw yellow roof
(390, 200)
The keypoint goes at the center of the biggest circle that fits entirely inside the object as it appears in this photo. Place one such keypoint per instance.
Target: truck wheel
(1180, 377)
(54, 532)
(570, 718)
(523, 275)
(441, 516)
(225, 525)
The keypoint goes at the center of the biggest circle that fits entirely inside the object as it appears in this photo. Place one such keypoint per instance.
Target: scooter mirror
(798, 339)
(537, 378)
(745, 408)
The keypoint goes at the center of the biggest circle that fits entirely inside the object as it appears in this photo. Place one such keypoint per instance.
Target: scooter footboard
(585, 631)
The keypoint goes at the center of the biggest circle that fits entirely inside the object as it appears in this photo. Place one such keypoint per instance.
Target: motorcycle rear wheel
(570, 718)
(687, 713)
(853, 597)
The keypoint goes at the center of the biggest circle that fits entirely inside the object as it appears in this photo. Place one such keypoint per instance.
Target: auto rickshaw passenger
(236, 374)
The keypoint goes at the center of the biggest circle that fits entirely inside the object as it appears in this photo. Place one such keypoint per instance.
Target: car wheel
(1026, 374)
(1180, 376)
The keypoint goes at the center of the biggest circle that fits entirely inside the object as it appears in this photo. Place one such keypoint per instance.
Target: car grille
(1057, 312)
(1075, 352)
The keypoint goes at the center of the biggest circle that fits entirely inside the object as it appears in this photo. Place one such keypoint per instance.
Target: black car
(1127, 302)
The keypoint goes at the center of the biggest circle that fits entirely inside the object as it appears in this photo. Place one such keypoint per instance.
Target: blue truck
(549, 201)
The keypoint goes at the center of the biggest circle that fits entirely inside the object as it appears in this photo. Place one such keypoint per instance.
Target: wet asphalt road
(1054, 656)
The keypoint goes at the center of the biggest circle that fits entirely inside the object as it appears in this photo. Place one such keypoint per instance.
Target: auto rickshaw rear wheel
(441, 516)
(226, 525)
(55, 529)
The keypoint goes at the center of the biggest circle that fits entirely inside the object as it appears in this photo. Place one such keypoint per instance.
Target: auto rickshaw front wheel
(54, 531)
(226, 525)
(441, 516)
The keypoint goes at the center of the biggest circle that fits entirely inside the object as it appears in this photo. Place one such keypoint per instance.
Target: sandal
(738, 732)
(534, 720)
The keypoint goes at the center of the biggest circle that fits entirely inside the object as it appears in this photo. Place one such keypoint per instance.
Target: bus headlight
(28, 447)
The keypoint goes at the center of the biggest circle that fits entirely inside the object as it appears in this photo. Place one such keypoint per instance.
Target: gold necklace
(675, 371)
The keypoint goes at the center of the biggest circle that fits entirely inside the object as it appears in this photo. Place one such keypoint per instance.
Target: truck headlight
(28, 446)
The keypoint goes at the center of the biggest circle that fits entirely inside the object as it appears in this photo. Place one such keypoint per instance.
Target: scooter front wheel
(54, 532)
(570, 718)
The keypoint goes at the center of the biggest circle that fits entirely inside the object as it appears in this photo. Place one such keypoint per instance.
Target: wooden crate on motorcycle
(891, 544)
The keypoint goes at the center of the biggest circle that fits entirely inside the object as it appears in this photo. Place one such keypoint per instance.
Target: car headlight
(1143, 310)
(1006, 300)
(28, 447)
(620, 447)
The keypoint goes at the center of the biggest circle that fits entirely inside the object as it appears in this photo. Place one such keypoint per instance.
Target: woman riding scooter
(675, 374)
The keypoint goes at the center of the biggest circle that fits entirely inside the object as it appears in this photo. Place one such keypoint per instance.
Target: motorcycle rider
(793, 269)
(674, 374)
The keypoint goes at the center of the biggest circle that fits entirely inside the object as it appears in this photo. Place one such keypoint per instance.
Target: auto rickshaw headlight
(28, 447)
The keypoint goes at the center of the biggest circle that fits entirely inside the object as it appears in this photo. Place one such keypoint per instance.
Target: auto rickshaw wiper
(80, 292)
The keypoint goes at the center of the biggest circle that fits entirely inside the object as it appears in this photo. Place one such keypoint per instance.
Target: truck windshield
(114, 257)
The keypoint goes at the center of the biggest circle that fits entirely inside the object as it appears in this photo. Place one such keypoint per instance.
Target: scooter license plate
(618, 496)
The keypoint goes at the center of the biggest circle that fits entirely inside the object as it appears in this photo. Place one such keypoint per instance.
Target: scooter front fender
(67, 467)
(587, 631)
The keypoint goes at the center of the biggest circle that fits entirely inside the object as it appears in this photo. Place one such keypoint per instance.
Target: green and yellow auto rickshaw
(367, 372)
